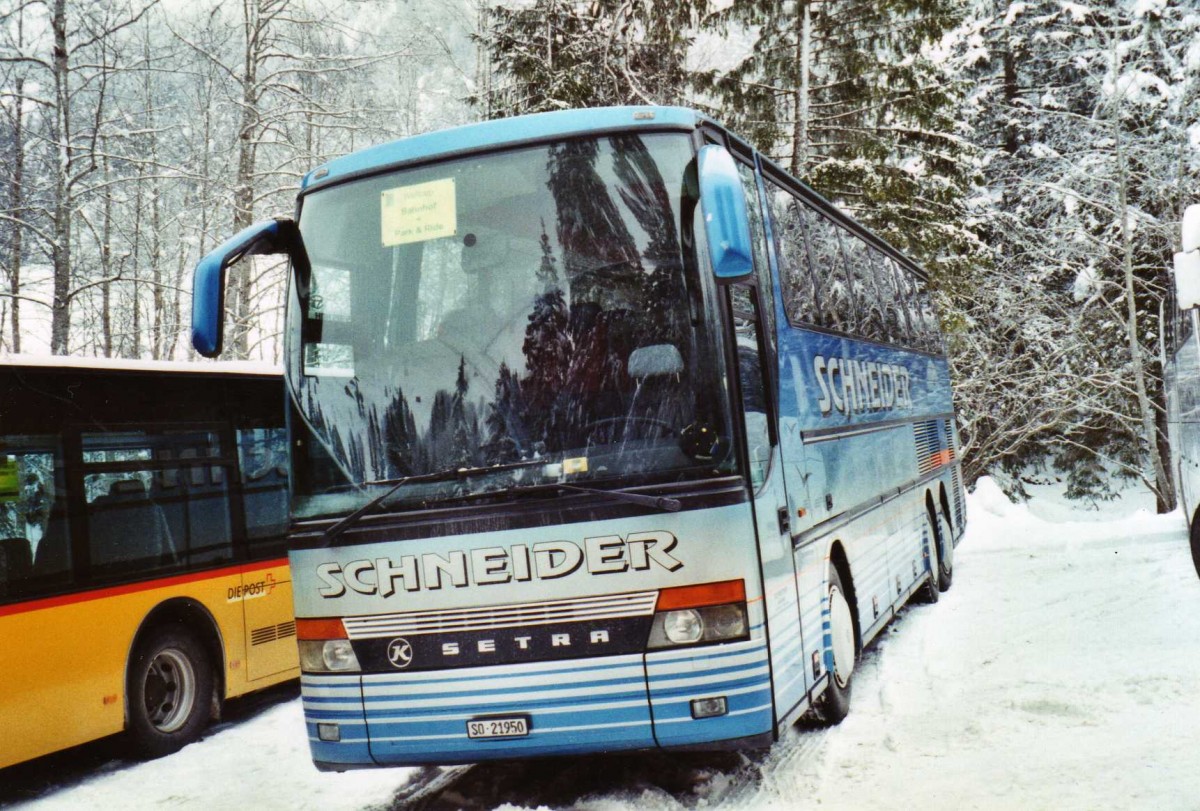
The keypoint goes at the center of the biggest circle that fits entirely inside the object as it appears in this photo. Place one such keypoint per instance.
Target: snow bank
(263, 763)
(995, 522)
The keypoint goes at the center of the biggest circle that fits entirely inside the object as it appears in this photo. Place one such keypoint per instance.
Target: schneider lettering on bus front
(548, 560)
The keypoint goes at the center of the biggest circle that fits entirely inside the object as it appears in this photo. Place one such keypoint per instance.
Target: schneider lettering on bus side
(855, 386)
(547, 560)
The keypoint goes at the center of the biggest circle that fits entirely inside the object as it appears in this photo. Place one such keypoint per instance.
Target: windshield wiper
(658, 502)
(438, 476)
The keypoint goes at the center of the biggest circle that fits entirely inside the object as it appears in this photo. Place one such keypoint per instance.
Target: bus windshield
(538, 304)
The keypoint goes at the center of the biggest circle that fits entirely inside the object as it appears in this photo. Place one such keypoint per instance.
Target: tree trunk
(804, 57)
(1011, 94)
(60, 137)
(157, 298)
(240, 275)
(135, 351)
(106, 265)
(1163, 486)
(156, 346)
(17, 204)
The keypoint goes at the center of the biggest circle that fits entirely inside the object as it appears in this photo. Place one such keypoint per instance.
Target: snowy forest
(1035, 157)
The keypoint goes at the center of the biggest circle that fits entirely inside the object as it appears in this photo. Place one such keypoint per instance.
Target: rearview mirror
(208, 282)
(726, 220)
(1191, 228)
(1187, 280)
(656, 360)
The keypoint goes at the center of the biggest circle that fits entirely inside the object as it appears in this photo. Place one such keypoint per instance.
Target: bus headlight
(691, 615)
(319, 653)
(725, 621)
(683, 627)
(327, 656)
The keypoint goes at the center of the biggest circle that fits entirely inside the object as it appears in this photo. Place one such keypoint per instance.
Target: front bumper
(602, 704)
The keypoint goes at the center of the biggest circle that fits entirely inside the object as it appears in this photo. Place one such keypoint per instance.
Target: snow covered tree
(73, 60)
(1084, 111)
(855, 97)
(505, 421)
(559, 54)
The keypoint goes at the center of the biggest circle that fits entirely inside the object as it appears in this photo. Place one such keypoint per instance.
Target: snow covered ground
(1061, 671)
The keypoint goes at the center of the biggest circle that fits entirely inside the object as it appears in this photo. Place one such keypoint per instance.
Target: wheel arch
(944, 501)
(930, 506)
(838, 559)
(193, 615)
(1194, 539)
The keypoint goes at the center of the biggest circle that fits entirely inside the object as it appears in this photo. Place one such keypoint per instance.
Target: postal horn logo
(400, 653)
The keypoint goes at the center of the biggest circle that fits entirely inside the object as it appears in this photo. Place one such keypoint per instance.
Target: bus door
(789, 675)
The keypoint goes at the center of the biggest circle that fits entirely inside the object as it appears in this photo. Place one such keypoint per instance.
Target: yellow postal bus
(143, 576)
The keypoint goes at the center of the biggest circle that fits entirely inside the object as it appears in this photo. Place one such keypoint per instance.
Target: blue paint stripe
(659, 693)
(624, 687)
(671, 656)
(543, 722)
(760, 702)
(521, 703)
(473, 675)
(711, 670)
(352, 753)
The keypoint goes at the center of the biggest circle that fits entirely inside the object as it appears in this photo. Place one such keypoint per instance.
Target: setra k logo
(400, 653)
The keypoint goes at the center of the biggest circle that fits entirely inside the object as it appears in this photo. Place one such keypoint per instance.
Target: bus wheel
(1194, 539)
(834, 703)
(170, 687)
(945, 538)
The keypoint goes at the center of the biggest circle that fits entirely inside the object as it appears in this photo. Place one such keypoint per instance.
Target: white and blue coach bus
(1181, 375)
(607, 434)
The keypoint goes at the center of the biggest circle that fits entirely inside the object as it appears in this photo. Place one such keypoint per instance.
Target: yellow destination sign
(10, 483)
(419, 212)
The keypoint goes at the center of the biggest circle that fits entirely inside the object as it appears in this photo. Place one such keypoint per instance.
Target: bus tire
(1194, 541)
(945, 539)
(169, 691)
(834, 703)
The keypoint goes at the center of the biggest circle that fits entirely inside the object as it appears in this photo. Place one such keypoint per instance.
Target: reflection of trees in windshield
(452, 440)
(574, 393)
(603, 282)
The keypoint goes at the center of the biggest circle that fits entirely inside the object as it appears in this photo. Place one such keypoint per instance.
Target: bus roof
(502, 132)
(228, 367)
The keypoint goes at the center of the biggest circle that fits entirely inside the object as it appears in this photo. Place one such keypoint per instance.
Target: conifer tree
(850, 96)
(559, 54)
(1083, 111)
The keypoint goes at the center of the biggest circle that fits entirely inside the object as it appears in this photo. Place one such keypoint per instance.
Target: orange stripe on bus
(727, 591)
(132, 588)
(323, 628)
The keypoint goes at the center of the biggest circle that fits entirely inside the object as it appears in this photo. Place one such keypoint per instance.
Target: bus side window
(262, 455)
(930, 329)
(911, 302)
(35, 549)
(125, 526)
(758, 233)
(891, 295)
(829, 270)
(801, 290)
(750, 375)
(144, 510)
(867, 305)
